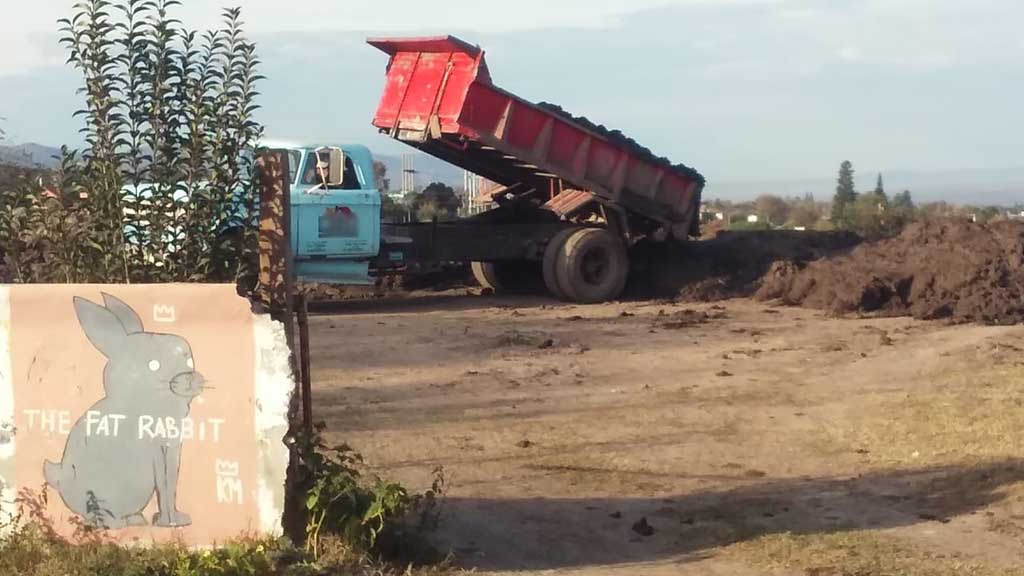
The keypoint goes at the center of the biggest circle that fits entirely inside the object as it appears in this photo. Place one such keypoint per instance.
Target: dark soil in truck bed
(621, 139)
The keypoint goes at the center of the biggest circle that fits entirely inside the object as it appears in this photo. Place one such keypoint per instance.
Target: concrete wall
(155, 412)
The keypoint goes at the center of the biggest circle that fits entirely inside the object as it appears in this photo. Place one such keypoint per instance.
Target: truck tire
(593, 266)
(486, 274)
(509, 276)
(552, 254)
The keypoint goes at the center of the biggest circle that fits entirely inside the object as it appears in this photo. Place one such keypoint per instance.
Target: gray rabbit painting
(109, 476)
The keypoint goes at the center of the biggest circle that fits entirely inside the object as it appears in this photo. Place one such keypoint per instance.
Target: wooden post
(275, 288)
(307, 387)
(275, 292)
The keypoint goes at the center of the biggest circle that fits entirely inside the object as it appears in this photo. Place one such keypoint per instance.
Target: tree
(168, 115)
(880, 189)
(437, 199)
(391, 211)
(380, 177)
(845, 195)
(805, 212)
(901, 210)
(902, 201)
(868, 217)
(427, 210)
(772, 208)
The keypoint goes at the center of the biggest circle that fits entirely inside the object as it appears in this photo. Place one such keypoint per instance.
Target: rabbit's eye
(190, 364)
(154, 365)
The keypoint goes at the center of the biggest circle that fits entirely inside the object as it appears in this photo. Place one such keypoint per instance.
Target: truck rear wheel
(593, 266)
(486, 274)
(552, 254)
(512, 276)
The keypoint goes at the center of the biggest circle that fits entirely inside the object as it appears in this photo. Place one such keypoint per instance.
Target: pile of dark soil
(953, 269)
(618, 137)
(730, 265)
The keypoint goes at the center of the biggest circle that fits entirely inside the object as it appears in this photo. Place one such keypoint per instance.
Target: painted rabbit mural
(127, 447)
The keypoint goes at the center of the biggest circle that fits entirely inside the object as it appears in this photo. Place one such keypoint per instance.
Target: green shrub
(341, 501)
(29, 551)
(348, 514)
(169, 135)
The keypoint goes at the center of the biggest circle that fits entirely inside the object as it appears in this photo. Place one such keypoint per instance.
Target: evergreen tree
(880, 190)
(845, 195)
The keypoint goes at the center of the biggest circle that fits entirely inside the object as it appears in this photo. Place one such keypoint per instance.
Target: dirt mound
(730, 265)
(952, 269)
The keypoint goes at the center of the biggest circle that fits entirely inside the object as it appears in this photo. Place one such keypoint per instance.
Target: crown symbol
(227, 468)
(163, 313)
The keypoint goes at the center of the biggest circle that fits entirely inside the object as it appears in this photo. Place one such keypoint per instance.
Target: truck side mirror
(332, 162)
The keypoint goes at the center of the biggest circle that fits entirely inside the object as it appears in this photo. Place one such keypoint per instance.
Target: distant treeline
(871, 213)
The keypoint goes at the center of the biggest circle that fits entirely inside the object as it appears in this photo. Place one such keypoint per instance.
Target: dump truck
(575, 196)
(574, 200)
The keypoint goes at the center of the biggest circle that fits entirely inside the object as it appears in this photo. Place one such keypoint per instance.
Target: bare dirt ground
(670, 438)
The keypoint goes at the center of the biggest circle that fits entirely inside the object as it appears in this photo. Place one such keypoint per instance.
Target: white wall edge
(8, 482)
(274, 386)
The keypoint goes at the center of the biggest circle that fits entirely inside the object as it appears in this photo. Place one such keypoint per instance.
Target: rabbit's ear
(129, 319)
(101, 326)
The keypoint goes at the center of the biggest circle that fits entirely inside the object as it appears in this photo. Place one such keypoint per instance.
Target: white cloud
(924, 34)
(850, 53)
(25, 20)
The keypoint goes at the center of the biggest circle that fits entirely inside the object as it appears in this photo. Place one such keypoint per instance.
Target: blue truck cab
(335, 230)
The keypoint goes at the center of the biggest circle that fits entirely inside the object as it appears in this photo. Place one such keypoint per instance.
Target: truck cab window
(294, 157)
(310, 176)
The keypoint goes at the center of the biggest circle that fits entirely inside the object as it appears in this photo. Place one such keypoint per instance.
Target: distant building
(707, 215)
(478, 193)
(752, 219)
(408, 173)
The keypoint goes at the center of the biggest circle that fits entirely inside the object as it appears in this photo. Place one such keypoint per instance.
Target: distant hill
(29, 155)
(428, 169)
(979, 187)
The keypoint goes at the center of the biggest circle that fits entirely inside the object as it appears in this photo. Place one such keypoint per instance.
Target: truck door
(336, 223)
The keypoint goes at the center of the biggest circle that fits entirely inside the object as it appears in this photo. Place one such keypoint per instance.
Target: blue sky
(740, 89)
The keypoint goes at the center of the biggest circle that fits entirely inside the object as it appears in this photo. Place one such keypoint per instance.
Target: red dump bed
(439, 97)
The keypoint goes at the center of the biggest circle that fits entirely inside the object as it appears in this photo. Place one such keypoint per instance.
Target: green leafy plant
(341, 500)
(161, 190)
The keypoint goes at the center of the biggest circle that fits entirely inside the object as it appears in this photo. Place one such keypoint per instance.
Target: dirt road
(663, 438)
